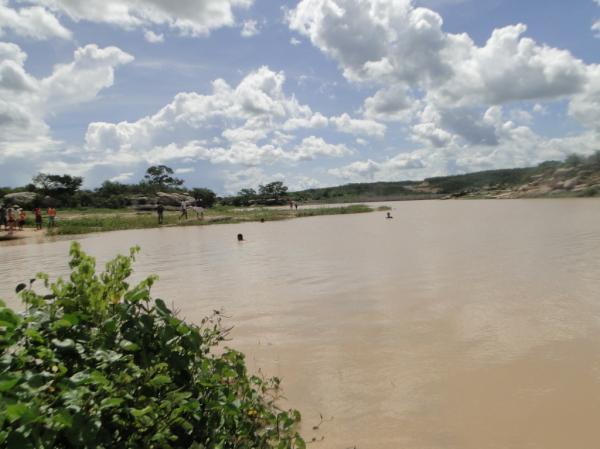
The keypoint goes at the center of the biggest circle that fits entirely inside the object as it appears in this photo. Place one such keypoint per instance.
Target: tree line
(66, 191)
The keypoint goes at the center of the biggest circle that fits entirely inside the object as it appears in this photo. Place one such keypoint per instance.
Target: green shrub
(97, 363)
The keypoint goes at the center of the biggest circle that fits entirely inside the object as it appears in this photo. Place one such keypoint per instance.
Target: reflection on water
(459, 324)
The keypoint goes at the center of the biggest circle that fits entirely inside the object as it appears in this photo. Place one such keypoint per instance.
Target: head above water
(240, 237)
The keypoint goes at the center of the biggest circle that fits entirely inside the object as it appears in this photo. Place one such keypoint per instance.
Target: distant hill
(577, 176)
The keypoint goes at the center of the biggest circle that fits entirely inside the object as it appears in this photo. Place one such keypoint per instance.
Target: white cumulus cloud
(248, 124)
(189, 17)
(32, 22)
(449, 91)
(153, 37)
(250, 28)
(26, 101)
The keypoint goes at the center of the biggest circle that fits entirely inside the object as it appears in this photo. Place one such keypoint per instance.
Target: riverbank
(84, 221)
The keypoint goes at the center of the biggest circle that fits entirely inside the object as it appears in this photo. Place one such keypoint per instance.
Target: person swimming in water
(389, 215)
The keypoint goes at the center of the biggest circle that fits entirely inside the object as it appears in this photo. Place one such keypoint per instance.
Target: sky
(236, 93)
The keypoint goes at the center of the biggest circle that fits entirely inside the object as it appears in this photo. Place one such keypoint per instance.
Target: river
(457, 324)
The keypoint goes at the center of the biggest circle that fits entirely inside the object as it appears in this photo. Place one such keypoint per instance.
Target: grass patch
(354, 209)
(74, 222)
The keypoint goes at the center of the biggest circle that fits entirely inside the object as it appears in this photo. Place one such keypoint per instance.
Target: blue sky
(235, 93)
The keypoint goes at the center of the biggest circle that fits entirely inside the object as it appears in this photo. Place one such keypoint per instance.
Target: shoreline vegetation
(90, 220)
(94, 361)
(74, 222)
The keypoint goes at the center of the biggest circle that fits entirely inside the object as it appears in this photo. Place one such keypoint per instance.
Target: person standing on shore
(160, 210)
(11, 219)
(51, 217)
(183, 210)
(22, 218)
(38, 218)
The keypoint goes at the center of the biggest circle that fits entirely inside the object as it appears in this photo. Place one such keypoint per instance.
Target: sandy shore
(28, 234)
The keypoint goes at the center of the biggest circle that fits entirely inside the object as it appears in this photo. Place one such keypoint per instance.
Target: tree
(574, 160)
(112, 188)
(273, 190)
(245, 197)
(161, 176)
(62, 189)
(594, 160)
(57, 185)
(205, 197)
(247, 193)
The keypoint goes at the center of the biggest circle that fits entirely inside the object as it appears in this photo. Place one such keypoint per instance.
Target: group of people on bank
(13, 218)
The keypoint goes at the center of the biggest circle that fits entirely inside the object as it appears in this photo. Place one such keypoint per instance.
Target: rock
(174, 199)
(570, 183)
(23, 199)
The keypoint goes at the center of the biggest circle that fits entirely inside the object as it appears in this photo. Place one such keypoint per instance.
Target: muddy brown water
(458, 324)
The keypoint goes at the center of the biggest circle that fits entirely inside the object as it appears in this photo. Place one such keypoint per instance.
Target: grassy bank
(76, 221)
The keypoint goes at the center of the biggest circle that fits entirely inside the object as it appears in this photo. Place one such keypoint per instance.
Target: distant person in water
(296, 205)
(240, 237)
(51, 217)
(22, 218)
(38, 218)
(183, 210)
(160, 210)
(389, 215)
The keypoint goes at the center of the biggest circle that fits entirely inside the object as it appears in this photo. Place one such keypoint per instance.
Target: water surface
(458, 324)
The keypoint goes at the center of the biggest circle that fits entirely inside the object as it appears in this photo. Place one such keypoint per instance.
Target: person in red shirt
(11, 219)
(22, 217)
(38, 218)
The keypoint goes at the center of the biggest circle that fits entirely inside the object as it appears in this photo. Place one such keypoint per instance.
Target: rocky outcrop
(174, 199)
(23, 199)
(170, 201)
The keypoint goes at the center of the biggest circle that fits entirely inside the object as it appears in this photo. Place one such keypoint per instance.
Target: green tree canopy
(273, 190)
(205, 197)
(247, 192)
(57, 185)
(161, 176)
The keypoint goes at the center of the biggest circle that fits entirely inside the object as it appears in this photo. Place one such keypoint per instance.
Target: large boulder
(23, 199)
(174, 199)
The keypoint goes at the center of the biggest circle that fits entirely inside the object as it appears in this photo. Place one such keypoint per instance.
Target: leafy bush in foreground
(99, 364)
